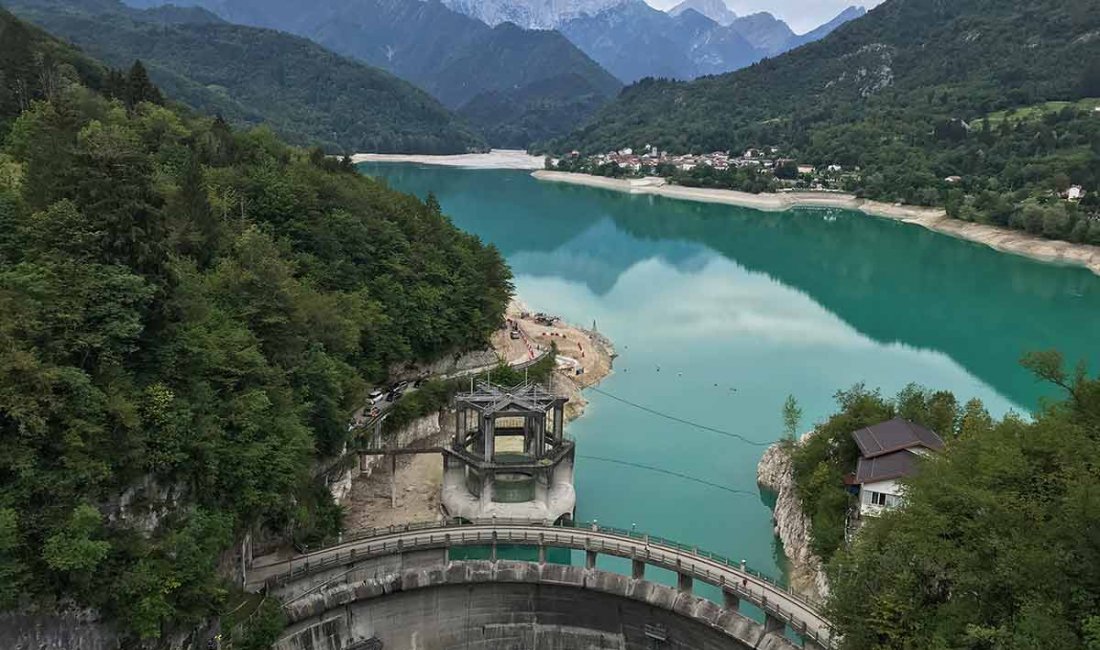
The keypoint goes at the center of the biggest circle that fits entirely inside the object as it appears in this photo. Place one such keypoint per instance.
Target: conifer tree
(139, 88)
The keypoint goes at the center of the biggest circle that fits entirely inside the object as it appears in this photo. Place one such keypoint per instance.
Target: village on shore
(777, 171)
(773, 171)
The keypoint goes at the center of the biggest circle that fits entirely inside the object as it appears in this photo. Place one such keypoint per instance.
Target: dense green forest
(188, 317)
(254, 76)
(998, 545)
(903, 95)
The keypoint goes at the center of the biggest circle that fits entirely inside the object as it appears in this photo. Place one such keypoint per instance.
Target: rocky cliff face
(530, 14)
(423, 428)
(776, 473)
(76, 628)
(447, 365)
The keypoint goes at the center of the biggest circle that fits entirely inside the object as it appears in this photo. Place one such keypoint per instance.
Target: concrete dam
(509, 484)
(400, 587)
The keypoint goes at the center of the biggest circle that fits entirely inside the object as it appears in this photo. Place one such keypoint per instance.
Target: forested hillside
(188, 317)
(257, 76)
(901, 95)
(539, 111)
(998, 545)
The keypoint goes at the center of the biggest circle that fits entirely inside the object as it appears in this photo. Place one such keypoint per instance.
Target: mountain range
(505, 84)
(538, 76)
(522, 72)
(633, 40)
(530, 14)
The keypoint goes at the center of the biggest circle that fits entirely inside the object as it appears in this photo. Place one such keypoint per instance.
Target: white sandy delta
(495, 159)
(935, 219)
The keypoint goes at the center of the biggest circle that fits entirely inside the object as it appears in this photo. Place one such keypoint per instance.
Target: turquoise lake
(718, 313)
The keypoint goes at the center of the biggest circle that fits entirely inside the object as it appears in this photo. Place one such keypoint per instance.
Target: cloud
(801, 15)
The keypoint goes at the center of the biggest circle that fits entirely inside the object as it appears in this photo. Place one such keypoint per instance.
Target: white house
(889, 451)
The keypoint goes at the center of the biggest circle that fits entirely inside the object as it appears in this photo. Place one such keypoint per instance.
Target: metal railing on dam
(737, 582)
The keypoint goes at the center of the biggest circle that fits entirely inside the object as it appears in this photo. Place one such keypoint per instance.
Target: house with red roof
(889, 452)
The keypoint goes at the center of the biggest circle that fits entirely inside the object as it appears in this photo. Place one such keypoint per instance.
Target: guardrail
(765, 592)
(552, 460)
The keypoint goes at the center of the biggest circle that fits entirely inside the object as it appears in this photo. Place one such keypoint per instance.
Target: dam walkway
(737, 582)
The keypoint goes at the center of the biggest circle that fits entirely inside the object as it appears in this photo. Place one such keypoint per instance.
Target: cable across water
(669, 473)
(679, 420)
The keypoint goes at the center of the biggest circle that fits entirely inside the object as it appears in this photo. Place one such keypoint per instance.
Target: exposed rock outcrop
(69, 627)
(425, 428)
(143, 505)
(447, 365)
(776, 473)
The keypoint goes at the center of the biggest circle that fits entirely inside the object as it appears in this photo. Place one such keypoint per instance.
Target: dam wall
(482, 605)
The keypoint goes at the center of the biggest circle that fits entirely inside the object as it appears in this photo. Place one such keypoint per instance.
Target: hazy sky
(801, 15)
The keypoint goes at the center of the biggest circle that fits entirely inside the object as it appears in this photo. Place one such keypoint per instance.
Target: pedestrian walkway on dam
(737, 582)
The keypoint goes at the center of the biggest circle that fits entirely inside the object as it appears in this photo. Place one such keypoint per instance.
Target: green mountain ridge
(253, 76)
(893, 94)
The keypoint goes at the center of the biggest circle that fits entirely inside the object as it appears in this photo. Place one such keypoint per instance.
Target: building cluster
(650, 158)
(651, 161)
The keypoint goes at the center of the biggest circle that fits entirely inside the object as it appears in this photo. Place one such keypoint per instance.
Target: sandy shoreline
(1001, 239)
(495, 159)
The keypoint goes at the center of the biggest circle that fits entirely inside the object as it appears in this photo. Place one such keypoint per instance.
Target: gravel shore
(495, 159)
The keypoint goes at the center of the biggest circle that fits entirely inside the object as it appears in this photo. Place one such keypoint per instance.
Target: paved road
(804, 616)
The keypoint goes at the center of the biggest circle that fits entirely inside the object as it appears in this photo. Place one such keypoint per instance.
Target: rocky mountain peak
(531, 14)
(716, 10)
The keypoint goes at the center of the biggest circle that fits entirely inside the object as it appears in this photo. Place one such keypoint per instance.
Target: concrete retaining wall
(511, 605)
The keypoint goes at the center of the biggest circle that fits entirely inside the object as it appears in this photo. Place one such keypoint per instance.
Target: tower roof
(895, 435)
(490, 398)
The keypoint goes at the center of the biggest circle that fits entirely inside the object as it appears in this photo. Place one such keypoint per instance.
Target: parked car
(376, 396)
